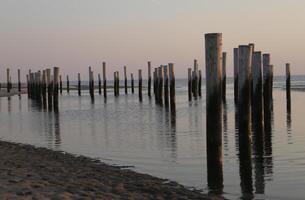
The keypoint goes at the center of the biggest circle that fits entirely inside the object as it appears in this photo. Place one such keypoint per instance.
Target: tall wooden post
(99, 84)
(199, 83)
(172, 86)
(166, 100)
(27, 84)
(160, 85)
(104, 79)
(60, 84)
(213, 51)
(114, 84)
(257, 94)
(44, 88)
(50, 88)
(8, 80)
(236, 75)
(149, 79)
(140, 85)
(118, 83)
(19, 82)
(195, 79)
(55, 92)
(125, 77)
(224, 75)
(267, 79)
(156, 83)
(190, 83)
(288, 94)
(79, 84)
(132, 83)
(68, 84)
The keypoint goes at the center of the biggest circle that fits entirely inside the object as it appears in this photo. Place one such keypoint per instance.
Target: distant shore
(28, 172)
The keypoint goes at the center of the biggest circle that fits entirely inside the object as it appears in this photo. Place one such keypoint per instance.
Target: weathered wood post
(213, 50)
(288, 93)
(104, 79)
(156, 85)
(99, 84)
(39, 86)
(132, 83)
(235, 75)
(195, 79)
(55, 92)
(44, 88)
(8, 80)
(118, 83)
(27, 85)
(50, 88)
(160, 85)
(257, 94)
(172, 86)
(68, 84)
(166, 100)
(190, 83)
(224, 75)
(244, 116)
(125, 77)
(140, 85)
(267, 79)
(149, 79)
(79, 84)
(199, 83)
(19, 82)
(60, 84)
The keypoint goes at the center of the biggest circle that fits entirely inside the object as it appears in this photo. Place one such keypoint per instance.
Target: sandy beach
(28, 172)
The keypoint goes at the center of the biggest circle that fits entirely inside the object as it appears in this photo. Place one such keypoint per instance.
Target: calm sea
(125, 132)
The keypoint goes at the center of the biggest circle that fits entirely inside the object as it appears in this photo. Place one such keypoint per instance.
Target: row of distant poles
(44, 87)
(253, 83)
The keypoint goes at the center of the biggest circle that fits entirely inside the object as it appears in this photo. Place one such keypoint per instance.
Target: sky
(75, 34)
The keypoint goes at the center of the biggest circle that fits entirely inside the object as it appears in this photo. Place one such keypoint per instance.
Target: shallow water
(125, 132)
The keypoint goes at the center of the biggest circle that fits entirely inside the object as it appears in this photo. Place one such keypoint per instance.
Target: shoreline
(35, 173)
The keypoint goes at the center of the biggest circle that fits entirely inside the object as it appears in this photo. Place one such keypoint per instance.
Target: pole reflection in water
(225, 128)
(268, 122)
(288, 117)
(57, 130)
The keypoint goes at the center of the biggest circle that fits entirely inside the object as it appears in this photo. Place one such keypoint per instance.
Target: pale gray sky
(74, 34)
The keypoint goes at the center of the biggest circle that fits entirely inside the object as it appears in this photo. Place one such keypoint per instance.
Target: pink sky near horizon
(75, 34)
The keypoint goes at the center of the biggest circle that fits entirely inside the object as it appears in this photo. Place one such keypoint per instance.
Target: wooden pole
(199, 83)
(156, 83)
(104, 80)
(27, 84)
(195, 79)
(267, 79)
(44, 88)
(166, 100)
(118, 83)
(125, 77)
(132, 83)
(257, 93)
(236, 62)
(213, 51)
(60, 84)
(55, 92)
(99, 84)
(8, 80)
(190, 83)
(19, 82)
(172, 86)
(68, 84)
(149, 79)
(114, 84)
(90, 82)
(140, 85)
(160, 85)
(79, 84)
(288, 93)
(224, 75)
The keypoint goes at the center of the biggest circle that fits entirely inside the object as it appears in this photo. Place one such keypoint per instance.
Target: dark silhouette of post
(8, 87)
(99, 84)
(19, 82)
(60, 84)
(236, 75)
(79, 85)
(140, 85)
(125, 77)
(195, 79)
(149, 79)
(190, 83)
(224, 76)
(104, 80)
(50, 89)
(199, 83)
(55, 92)
(132, 83)
(288, 85)
(172, 88)
(44, 88)
(267, 82)
(213, 50)
(160, 86)
(68, 85)
(165, 72)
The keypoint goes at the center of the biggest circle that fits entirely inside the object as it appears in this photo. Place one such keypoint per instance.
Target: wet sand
(28, 172)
